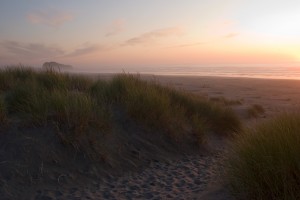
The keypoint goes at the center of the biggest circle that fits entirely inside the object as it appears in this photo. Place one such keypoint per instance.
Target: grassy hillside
(54, 123)
(75, 103)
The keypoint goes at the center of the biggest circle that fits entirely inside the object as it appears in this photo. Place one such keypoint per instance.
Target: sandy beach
(188, 177)
(275, 95)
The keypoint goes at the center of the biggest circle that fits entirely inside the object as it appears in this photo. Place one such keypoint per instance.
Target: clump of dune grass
(11, 76)
(102, 91)
(225, 101)
(217, 117)
(3, 114)
(265, 160)
(30, 101)
(46, 97)
(77, 112)
(78, 82)
(255, 111)
(51, 80)
(148, 104)
(176, 112)
(76, 103)
(20, 73)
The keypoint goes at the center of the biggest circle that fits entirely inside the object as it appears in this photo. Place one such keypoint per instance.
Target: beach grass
(77, 113)
(30, 101)
(265, 160)
(172, 110)
(75, 103)
(255, 111)
(227, 102)
(3, 114)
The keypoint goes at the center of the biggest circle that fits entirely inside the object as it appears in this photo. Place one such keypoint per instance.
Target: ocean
(249, 71)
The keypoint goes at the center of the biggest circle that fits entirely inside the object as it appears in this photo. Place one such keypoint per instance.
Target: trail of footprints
(182, 179)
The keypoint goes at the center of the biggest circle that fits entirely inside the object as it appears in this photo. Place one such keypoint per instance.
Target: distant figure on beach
(54, 66)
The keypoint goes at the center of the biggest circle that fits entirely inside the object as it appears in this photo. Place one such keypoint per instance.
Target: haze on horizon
(99, 33)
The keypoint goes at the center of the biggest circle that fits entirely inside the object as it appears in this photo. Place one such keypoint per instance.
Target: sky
(95, 34)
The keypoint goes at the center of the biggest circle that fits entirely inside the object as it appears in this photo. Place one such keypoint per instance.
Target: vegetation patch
(175, 111)
(76, 103)
(265, 162)
(227, 102)
(3, 115)
(255, 111)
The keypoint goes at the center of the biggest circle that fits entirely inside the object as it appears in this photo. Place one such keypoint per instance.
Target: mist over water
(246, 71)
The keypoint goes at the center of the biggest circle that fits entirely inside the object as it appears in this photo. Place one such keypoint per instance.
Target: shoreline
(182, 75)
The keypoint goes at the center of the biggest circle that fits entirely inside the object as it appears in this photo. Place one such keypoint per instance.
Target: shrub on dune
(265, 162)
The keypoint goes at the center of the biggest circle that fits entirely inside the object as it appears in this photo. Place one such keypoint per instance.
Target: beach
(199, 176)
(274, 94)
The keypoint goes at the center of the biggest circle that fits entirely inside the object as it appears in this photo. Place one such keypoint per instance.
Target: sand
(274, 95)
(187, 177)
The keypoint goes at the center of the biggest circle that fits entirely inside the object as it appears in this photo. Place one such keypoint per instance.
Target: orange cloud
(187, 45)
(231, 35)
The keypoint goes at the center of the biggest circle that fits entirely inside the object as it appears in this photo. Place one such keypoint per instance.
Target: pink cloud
(31, 50)
(51, 17)
(84, 50)
(88, 48)
(154, 35)
(115, 28)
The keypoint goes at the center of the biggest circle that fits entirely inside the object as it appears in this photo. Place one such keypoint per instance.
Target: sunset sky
(117, 33)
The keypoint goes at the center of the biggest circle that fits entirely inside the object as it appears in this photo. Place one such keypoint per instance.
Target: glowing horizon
(99, 33)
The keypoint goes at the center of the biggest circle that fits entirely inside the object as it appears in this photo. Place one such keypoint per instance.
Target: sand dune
(186, 177)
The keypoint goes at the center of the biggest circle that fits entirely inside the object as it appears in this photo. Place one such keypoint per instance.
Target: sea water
(247, 71)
